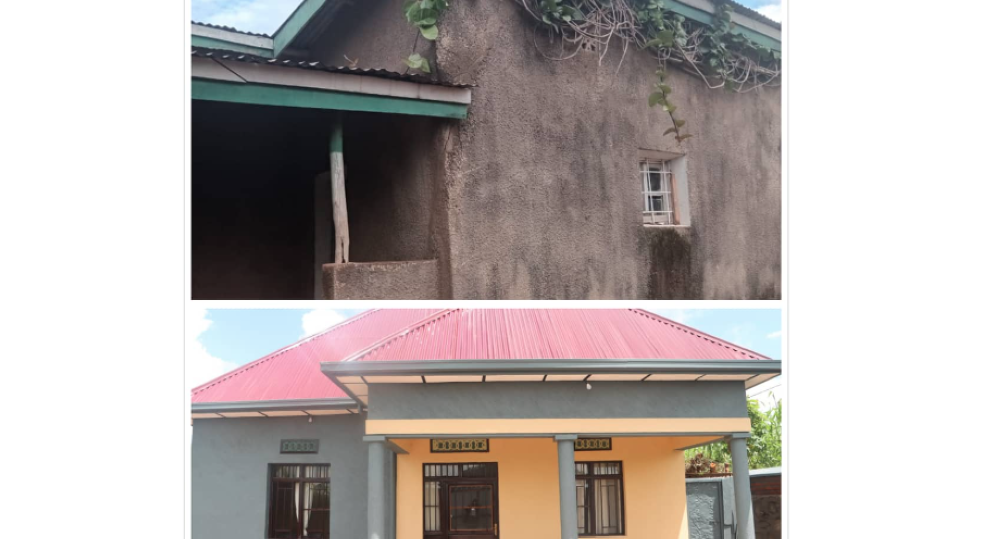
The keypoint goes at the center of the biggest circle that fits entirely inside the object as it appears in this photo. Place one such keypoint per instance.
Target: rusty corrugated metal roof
(223, 54)
(455, 334)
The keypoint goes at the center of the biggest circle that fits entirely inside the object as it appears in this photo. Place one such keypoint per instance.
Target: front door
(460, 501)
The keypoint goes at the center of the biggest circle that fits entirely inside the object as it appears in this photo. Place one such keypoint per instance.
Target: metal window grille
(600, 507)
(658, 192)
(299, 501)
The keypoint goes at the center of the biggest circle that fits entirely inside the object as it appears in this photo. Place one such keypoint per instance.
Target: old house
(324, 167)
(472, 423)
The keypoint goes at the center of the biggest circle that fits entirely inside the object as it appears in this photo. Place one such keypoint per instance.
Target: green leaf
(685, 136)
(666, 37)
(425, 66)
(679, 123)
(427, 21)
(430, 32)
(671, 130)
(655, 98)
(415, 61)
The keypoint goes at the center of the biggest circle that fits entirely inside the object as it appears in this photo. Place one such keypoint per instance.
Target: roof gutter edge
(482, 366)
(289, 405)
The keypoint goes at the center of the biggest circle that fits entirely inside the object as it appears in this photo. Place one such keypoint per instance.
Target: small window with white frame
(658, 191)
(664, 188)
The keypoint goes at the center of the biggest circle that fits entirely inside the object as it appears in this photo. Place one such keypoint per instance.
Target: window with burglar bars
(600, 499)
(459, 497)
(299, 501)
(658, 192)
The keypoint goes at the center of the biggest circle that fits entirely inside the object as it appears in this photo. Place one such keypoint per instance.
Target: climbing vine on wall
(717, 53)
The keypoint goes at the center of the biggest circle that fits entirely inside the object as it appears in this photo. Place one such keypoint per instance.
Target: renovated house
(324, 167)
(472, 423)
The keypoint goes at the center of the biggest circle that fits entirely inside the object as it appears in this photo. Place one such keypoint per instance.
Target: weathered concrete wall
(390, 182)
(415, 279)
(543, 195)
(557, 400)
(229, 472)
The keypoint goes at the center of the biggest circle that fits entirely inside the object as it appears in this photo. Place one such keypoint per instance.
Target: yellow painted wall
(655, 493)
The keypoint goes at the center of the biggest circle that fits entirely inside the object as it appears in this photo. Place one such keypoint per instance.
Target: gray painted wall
(557, 400)
(229, 472)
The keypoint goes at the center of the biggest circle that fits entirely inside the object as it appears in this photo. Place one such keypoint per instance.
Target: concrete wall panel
(229, 472)
(557, 400)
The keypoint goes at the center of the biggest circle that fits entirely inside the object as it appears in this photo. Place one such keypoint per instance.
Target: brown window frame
(589, 478)
(300, 482)
(455, 474)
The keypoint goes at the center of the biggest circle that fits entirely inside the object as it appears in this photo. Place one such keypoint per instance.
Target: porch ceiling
(354, 377)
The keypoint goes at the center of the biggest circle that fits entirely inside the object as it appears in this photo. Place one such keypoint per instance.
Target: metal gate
(710, 506)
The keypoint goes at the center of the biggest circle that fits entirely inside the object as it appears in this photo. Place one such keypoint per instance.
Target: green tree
(764, 445)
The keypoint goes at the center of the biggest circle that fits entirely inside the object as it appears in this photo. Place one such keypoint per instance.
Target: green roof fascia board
(295, 23)
(705, 17)
(212, 43)
(311, 98)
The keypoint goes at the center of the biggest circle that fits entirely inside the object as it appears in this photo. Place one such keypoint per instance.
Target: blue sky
(220, 340)
(265, 16)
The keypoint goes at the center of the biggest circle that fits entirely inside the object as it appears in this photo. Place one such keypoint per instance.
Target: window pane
(318, 472)
(607, 502)
(283, 518)
(432, 505)
(655, 203)
(655, 179)
(286, 472)
(582, 522)
(315, 509)
(471, 507)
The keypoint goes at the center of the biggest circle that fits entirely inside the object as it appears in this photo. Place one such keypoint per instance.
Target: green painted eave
(310, 98)
(212, 43)
(705, 17)
(295, 23)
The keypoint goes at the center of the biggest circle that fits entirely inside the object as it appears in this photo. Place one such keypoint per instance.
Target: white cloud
(774, 334)
(262, 16)
(771, 11)
(317, 320)
(199, 365)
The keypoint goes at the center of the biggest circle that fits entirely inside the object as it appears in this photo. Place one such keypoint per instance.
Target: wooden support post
(342, 237)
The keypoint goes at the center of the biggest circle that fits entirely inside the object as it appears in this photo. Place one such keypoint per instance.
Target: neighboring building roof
(541, 334)
(228, 29)
(760, 472)
(750, 13)
(447, 334)
(225, 54)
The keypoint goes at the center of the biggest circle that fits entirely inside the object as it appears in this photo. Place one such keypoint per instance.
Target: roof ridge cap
(386, 340)
(701, 334)
(243, 368)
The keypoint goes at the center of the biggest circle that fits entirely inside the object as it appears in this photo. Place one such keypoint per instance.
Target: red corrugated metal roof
(459, 334)
(293, 372)
(435, 334)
